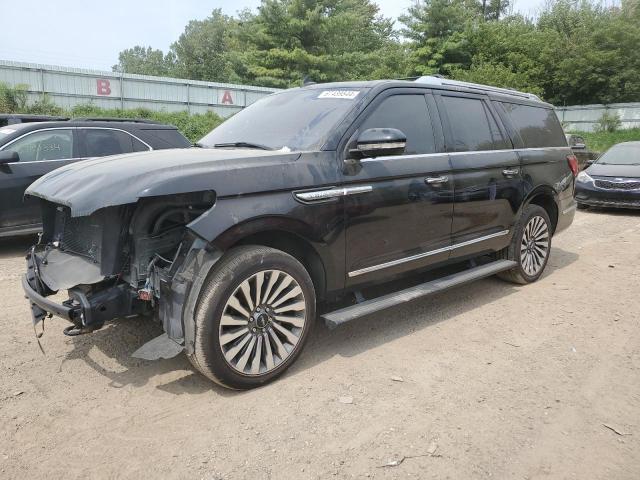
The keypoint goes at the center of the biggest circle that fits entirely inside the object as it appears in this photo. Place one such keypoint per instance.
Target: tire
(242, 341)
(534, 223)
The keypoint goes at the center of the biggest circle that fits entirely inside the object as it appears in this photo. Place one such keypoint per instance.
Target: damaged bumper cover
(87, 311)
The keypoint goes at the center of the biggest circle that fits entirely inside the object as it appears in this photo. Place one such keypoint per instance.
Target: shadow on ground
(616, 212)
(16, 246)
(121, 338)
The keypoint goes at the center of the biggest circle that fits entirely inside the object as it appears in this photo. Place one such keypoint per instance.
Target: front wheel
(253, 317)
(530, 246)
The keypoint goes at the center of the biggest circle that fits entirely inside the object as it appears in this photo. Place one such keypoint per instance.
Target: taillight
(572, 160)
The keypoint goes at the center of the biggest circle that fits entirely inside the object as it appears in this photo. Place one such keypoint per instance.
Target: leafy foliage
(608, 122)
(192, 126)
(576, 52)
(13, 99)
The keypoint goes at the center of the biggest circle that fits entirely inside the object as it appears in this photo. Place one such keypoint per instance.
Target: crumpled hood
(89, 185)
(622, 171)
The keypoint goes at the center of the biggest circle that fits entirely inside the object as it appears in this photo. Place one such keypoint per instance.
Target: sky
(90, 34)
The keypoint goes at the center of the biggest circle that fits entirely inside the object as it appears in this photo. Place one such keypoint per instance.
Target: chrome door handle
(436, 180)
(510, 172)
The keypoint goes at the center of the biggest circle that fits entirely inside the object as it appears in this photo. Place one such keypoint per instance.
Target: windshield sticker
(7, 131)
(343, 94)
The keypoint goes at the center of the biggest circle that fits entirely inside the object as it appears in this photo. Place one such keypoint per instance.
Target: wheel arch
(546, 198)
(282, 233)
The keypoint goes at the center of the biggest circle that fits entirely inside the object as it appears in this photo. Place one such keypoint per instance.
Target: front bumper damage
(87, 311)
(176, 292)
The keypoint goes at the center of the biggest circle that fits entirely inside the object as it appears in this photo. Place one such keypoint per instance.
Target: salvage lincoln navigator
(302, 200)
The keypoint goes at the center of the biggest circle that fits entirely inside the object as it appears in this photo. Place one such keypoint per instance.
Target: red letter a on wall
(227, 98)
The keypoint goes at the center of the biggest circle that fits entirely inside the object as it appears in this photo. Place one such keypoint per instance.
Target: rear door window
(539, 127)
(472, 125)
(103, 142)
(44, 145)
(410, 115)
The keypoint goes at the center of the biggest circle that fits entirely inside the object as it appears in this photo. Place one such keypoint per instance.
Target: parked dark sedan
(29, 150)
(613, 180)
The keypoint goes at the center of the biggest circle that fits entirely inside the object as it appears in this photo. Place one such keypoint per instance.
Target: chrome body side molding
(412, 258)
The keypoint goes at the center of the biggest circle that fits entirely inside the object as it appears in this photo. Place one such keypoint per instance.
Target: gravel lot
(489, 380)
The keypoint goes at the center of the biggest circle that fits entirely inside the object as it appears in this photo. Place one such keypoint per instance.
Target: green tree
(146, 61)
(326, 40)
(436, 30)
(204, 51)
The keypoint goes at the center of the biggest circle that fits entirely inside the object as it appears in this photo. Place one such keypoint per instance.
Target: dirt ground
(487, 381)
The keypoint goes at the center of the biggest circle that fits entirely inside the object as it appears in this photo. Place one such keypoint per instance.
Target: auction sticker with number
(343, 94)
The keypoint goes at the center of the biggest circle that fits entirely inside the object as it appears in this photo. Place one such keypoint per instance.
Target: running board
(344, 315)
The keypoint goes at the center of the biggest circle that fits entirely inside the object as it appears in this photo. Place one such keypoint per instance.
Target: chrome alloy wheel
(262, 322)
(534, 248)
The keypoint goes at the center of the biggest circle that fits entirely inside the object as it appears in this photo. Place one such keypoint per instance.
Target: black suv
(29, 150)
(294, 204)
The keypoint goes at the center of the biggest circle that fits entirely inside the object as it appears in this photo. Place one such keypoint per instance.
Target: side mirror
(590, 162)
(376, 142)
(9, 157)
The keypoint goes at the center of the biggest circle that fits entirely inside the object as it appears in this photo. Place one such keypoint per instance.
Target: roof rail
(433, 80)
(28, 117)
(114, 119)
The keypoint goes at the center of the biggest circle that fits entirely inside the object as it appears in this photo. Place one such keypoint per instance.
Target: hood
(600, 170)
(89, 185)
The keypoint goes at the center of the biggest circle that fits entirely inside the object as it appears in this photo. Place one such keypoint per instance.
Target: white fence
(584, 118)
(67, 87)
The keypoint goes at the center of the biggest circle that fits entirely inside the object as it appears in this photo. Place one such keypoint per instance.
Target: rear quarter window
(538, 127)
(166, 138)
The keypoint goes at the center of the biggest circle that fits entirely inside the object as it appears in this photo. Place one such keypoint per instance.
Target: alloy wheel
(262, 322)
(534, 247)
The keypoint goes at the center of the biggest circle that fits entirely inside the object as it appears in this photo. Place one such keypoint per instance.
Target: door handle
(436, 180)
(510, 172)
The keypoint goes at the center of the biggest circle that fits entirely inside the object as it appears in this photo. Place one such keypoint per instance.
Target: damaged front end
(119, 261)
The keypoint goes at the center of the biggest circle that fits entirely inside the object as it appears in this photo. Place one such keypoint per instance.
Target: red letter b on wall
(104, 88)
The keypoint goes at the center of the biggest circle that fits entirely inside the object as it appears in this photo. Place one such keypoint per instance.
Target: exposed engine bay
(117, 262)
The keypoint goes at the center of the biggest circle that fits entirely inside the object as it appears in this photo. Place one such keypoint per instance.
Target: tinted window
(409, 114)
(538, 127)
(100, 143)
(472, 125)
(167, 138)
(138, 146)
(44, 145)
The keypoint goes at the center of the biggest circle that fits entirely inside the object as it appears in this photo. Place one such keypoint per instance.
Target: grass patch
(192, 126)
(601, 141)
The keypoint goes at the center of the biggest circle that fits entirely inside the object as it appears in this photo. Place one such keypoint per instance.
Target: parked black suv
(29, 150)
(306, 195)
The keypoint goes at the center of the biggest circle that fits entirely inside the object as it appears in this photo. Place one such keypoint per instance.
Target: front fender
(232, 219)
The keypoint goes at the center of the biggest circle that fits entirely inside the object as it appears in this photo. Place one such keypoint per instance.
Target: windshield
(621, 154)
(299, 119)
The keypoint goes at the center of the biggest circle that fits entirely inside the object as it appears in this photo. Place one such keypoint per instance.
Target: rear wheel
(253, 318)
(530, 246)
